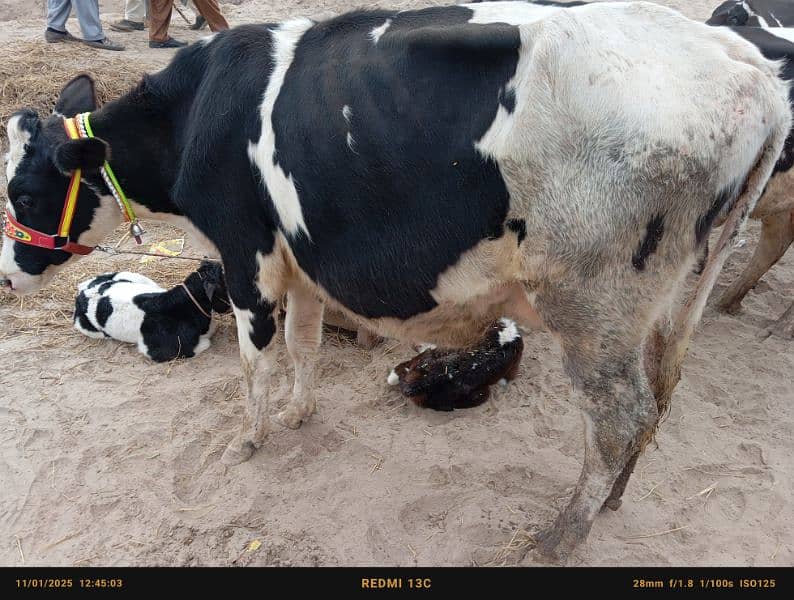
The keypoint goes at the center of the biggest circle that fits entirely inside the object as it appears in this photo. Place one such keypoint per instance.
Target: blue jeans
(87, 15)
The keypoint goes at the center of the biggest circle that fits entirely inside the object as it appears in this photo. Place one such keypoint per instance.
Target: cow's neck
(142, 131)
(142, 154)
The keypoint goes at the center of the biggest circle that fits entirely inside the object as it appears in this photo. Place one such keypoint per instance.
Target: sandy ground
(108, 459)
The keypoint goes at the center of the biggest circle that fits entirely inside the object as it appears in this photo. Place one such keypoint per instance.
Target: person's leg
(200, 21)
(210, 10)
(160, 19)
(135, 11)
(134, 14)
(88, 16)
(57, 13)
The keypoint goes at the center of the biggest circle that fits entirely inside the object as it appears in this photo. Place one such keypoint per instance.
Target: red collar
(25, 235)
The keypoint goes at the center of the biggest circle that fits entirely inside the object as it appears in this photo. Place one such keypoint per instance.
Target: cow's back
(629, 115)
(396, 146)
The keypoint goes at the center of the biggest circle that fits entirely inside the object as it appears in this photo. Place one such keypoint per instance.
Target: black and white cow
(426, 172)
(775, 209)
(754, 13)
(164, 324)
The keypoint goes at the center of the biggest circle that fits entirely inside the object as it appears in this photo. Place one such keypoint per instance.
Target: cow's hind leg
(303, 332)
(619, 413)
(777, 233)
(653, 349)
(602, 353)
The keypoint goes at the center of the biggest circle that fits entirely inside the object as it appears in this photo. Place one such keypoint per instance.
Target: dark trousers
(160, 17)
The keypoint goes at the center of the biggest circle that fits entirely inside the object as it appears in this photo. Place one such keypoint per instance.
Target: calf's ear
(209, 284)
(86, 153)
(77, 96)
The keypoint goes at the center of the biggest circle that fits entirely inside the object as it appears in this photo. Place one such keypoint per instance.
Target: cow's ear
(86, 153)
(77, 96)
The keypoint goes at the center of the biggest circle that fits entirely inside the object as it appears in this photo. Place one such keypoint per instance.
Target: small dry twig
(650, 535)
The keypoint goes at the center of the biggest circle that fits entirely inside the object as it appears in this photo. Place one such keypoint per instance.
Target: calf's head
(39, 166)
(211, 274)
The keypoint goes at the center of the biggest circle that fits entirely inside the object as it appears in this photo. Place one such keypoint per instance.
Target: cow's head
(40, 162)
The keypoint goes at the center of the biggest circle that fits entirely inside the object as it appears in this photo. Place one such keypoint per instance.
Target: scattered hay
(510, 554)
(62, 540)
(33, 72)
(19, 547)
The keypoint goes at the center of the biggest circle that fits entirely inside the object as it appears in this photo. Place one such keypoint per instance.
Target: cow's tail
(671, 349)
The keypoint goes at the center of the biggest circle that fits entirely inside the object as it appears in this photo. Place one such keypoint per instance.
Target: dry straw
(33, 72)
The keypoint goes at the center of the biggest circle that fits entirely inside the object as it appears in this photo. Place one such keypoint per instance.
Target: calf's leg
(777, 233)
(303, 333)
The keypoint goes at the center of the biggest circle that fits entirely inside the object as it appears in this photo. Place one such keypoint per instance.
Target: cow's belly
(454, 324)
(485, 283)
(124, 324)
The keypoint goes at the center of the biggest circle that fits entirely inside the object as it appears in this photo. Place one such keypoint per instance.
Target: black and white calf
(426, 172)
(164, 324)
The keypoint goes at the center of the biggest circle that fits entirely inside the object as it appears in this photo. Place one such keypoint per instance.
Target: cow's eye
(24, 201)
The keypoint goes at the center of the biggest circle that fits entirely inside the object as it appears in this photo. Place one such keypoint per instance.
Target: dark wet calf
(448, 379)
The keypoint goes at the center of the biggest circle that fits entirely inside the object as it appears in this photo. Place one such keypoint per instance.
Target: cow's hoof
(783, 328)
(237, 452)
(730, 308)
(554, 545)
(783, 331)
(612, 504)
(366, 339)
(288, 419)
(536, 557)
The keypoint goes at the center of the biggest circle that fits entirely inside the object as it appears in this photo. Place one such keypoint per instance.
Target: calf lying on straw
(165, 324)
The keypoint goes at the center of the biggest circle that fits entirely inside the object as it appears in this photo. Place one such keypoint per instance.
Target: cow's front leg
(256, 329)
(303, 332)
